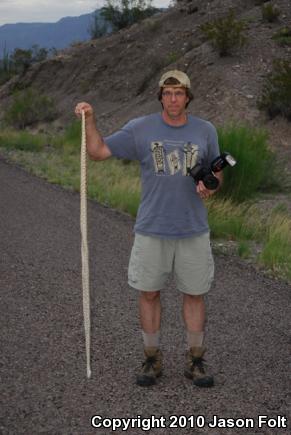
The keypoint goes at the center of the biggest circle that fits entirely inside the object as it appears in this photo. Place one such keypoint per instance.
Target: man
(171, 230)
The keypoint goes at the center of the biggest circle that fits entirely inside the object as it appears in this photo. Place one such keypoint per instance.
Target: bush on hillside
(123, 13)
(29, 107)
(225, 34)
(276, 94)
(283, 37)
(270, 13)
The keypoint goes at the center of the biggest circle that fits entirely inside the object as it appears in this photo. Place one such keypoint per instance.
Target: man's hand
(205, 193)
(202, 191)
(88, 110)
(96, 147)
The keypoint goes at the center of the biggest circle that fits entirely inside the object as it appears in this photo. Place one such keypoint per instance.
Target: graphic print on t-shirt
(174, 162)
(179, 157)
(158, 156)
(190, 157)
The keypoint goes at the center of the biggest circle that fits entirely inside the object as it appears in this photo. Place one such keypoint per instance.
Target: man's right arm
(96, 147)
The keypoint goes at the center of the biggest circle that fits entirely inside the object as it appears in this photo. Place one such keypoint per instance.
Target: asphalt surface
(44, 389)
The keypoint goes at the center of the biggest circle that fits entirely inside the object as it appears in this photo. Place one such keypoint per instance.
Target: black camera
(199, 172)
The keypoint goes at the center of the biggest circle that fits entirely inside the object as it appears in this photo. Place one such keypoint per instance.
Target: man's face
(174, 100)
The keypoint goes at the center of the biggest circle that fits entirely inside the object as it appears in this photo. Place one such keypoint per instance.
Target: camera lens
(210, 182)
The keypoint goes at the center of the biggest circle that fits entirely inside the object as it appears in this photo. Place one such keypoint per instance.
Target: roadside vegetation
(233, 215)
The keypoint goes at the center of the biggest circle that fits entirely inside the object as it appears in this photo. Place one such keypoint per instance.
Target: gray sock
(195, 338)
(151, 340)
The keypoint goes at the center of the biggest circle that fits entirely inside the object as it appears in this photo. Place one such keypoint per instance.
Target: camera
(199, 172)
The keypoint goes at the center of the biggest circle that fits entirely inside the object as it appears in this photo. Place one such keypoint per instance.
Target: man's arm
(96, 147)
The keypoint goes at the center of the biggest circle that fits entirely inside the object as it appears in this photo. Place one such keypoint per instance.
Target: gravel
(43, 366)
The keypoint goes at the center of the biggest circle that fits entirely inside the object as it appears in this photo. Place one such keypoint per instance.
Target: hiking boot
(151, 368)
(195, 368)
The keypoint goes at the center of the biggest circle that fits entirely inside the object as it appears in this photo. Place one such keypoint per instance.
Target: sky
(28, 11)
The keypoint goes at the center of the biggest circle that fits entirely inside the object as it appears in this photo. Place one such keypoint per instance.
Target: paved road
(44, 389)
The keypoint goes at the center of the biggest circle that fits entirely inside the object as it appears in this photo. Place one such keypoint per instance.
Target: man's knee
(195, 299)
(150, 296)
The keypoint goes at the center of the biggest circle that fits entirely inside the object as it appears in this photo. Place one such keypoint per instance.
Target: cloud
(13, 11)
(26, 11)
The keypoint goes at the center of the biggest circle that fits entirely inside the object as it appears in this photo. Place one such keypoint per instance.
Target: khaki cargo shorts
(153, 259)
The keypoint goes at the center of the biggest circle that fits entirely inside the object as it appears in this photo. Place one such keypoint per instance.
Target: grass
(244, 250)
(277, 249)
(231, 221)
(21, 140)
(56, 158)
(255, 169)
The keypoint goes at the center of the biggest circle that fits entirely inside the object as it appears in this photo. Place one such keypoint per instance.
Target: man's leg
(150, 311)
(149, 266)
(150, 320)
(194, 312)
(194, 318)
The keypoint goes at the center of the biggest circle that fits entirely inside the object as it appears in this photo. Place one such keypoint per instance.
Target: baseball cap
(179, 75)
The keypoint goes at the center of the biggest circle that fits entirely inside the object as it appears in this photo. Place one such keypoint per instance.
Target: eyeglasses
(176, 94)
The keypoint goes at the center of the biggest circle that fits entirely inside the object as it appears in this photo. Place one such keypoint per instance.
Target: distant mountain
(48, 35)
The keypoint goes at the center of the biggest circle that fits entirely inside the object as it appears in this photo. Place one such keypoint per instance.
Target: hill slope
(119, 73)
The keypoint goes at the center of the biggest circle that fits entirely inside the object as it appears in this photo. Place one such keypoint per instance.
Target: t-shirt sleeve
(212, 142)
(122, 143)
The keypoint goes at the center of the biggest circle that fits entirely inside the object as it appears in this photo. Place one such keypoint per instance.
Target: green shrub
(225, 34)
(255, 168)
(283, 36)
(276, 93)
(270, 13)
(29, 107)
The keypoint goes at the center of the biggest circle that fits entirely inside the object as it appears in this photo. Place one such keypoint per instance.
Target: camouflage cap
(178, 75)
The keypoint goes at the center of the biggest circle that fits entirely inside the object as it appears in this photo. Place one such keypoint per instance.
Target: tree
(39, 53)
(21, 60)
(124, 13)
(97, 27)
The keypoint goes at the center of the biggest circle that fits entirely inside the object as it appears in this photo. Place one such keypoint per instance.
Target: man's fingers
(83, 107)
(202, 191)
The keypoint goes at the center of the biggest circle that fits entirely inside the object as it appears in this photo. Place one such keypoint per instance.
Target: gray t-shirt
(170, 206)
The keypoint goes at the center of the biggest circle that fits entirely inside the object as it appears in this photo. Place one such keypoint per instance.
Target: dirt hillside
(119, 73)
